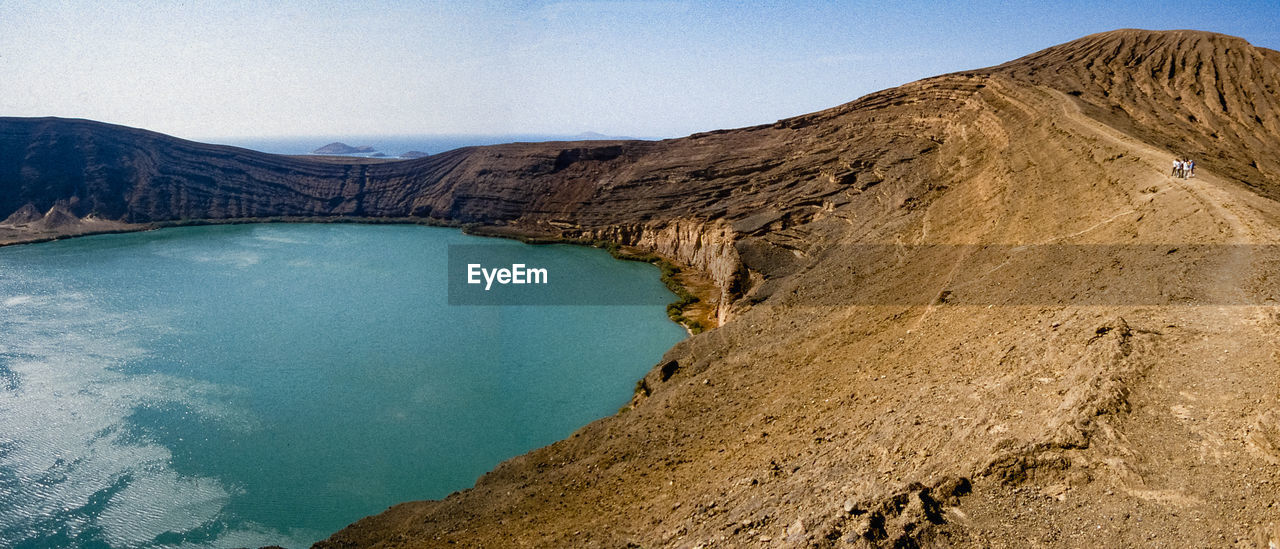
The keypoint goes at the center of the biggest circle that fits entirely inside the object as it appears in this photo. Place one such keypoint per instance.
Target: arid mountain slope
(1210, 96)
(1024, 332)
(972, 310)
(691, 199)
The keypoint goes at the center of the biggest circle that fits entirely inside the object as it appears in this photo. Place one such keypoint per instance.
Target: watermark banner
(1037, 274)
(505, 273)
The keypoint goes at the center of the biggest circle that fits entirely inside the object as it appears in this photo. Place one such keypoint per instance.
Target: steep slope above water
(1007, 407)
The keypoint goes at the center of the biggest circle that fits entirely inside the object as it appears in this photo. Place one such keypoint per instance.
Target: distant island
(597, 136)
(342, 148)
(419, 145)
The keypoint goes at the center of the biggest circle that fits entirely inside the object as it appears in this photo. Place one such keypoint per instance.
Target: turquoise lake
(247, 385)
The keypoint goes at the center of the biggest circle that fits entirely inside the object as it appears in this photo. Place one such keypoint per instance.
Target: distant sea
(393, 146)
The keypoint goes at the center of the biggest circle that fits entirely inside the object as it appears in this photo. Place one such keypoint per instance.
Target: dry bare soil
(1054, 344)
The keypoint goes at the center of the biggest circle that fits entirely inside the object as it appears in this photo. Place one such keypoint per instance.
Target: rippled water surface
(252, 385)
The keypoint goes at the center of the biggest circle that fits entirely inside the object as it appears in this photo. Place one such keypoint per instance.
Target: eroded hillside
(1011, 327)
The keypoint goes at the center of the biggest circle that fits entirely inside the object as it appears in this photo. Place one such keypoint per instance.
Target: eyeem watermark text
(502, 273)
(518, 273)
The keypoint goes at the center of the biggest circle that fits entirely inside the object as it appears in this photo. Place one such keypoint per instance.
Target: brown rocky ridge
(972, 310)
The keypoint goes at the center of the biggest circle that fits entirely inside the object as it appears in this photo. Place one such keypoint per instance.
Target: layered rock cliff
(708, 246)
(971, 310)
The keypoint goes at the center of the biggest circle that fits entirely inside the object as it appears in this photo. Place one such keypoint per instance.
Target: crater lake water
(248, 385)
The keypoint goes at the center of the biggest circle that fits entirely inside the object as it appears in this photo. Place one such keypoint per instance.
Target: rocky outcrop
(58, 217)
(24, 215)
(708, 246)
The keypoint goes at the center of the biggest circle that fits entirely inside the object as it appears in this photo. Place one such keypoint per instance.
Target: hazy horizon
(391, 145)
(649, 69)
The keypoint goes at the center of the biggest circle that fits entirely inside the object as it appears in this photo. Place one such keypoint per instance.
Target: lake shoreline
(693, 288)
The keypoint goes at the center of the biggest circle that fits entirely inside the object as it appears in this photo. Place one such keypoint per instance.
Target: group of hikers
(1184, 168)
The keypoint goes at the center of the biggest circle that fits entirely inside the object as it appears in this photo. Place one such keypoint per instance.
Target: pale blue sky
(651, 69)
